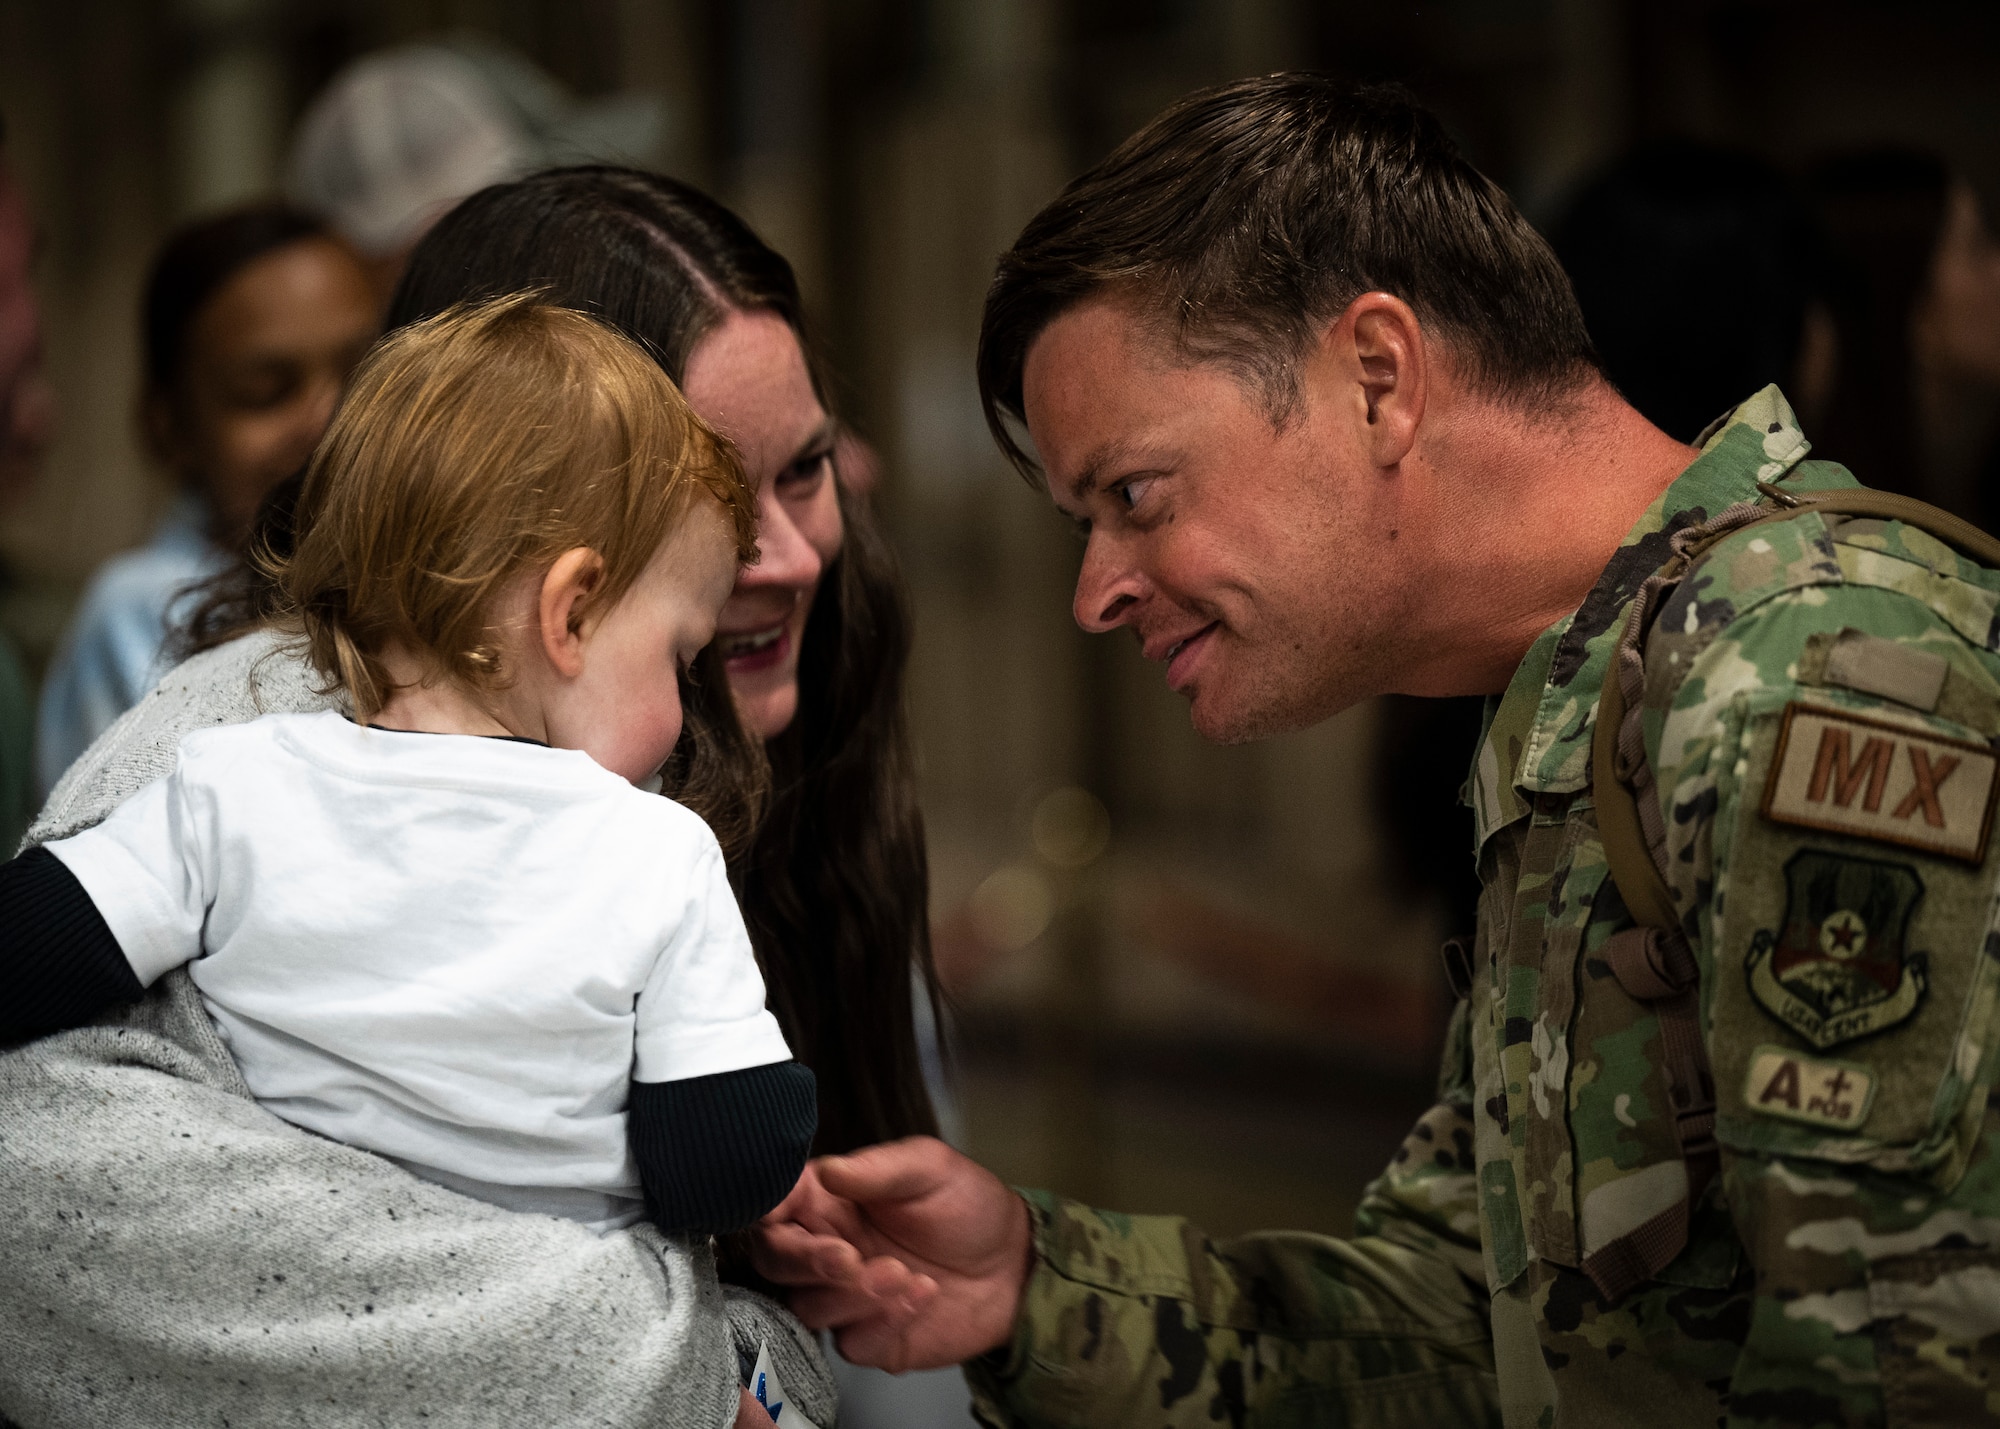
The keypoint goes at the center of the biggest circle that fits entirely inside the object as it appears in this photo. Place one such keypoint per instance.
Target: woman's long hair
(835, 884)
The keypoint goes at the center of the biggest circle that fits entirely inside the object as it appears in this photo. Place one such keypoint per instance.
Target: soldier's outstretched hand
(913, 1255)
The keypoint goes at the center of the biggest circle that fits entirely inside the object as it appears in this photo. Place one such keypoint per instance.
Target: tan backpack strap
(1961, 535)
(1633, 834)
(1655, 966)
(1653, 961)
(1631, 862)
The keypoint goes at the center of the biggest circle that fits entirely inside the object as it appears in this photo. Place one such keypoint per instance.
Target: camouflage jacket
(1822, 698)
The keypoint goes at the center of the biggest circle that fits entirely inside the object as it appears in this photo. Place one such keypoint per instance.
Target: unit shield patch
(1838, 967)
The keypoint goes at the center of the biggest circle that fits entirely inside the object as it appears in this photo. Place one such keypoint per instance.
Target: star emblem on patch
(1843, 935)
(1839, 966)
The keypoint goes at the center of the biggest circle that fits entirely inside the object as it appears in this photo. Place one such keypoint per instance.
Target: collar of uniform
(1538, 735)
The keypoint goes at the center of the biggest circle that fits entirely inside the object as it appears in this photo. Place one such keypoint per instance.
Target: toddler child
(461, 929)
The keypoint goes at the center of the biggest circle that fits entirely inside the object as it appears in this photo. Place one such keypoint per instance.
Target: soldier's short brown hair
(1246, 217)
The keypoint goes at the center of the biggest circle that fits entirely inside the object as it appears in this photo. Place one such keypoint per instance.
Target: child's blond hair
(472, 447)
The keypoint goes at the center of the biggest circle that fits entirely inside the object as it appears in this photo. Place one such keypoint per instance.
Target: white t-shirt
(454, 951)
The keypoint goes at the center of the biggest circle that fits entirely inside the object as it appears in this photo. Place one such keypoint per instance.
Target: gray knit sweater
(171, 1254)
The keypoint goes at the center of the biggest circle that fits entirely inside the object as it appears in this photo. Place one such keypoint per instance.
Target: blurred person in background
(27, 411)
(1661, 242)
(811, 647)
(1915, 291)
(251, 322)
(399, 136)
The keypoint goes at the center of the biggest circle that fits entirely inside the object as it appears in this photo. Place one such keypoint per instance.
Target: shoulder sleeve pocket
(1852, 998)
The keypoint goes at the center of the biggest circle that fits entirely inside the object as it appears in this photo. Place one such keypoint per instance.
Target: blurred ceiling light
(1070, 827)
(1012, 907)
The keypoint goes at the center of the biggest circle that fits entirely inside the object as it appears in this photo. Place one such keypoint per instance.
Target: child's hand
(750, 1414)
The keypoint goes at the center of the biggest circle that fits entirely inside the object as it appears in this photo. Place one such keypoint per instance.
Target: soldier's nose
(1105, 596)
(1102, 614)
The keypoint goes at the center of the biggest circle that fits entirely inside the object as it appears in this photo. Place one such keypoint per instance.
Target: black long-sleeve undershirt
(714, 1152)
(63, 964)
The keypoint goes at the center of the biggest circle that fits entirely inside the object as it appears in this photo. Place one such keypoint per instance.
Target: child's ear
(568, 584)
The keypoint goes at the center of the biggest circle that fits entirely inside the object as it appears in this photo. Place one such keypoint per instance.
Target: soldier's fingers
(895, 1347)
(796, 1257)
(896, 1288)
(872, 1345)
(892, 1171)
(825, 1214)
(813, 1206)
(820, 1308)
(789, 1254)
(828, 1307)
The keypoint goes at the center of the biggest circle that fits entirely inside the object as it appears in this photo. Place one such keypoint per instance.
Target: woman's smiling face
(748, 380)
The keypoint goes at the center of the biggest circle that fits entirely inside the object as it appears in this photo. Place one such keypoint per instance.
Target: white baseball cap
(400, 136)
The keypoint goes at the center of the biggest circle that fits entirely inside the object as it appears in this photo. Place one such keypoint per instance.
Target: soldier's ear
(1376, 352)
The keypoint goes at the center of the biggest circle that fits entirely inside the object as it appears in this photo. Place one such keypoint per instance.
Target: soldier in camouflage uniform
(1818, 701)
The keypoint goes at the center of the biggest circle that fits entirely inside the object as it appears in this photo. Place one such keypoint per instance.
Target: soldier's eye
(1134, 491)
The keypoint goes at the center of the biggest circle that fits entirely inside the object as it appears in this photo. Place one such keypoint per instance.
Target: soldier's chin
(1226, 714)
(1221, 720)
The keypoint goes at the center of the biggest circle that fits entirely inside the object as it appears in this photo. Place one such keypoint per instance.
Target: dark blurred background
(1186, 978)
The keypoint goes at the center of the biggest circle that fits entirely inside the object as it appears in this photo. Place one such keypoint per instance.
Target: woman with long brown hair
(833, 885)
(1914, 288)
